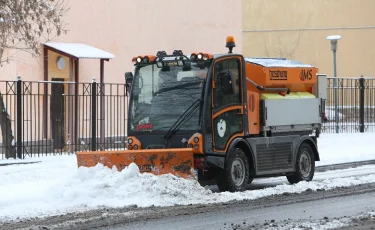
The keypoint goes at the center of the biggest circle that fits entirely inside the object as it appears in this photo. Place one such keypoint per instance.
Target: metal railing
(355, 105)
(41, 118)
(47, 118)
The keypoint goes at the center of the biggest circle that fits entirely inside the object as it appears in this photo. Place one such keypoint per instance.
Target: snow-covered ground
(346, 147)
(56, 185)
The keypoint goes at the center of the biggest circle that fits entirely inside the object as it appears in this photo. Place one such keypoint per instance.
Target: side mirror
(128, 77)
(226, 82)
(128, 80)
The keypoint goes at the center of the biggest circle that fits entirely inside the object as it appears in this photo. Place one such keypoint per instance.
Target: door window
(221, 100)
(227, 108)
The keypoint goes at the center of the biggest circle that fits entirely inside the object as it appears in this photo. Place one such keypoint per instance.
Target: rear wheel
(235, 175)
(305, 165)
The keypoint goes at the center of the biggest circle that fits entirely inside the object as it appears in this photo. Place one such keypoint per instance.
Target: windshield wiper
(183, 118)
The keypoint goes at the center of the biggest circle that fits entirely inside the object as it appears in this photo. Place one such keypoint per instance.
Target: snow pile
(90, 188)
(54, 188)
(100, 185)
(56, 185)
(277, 62)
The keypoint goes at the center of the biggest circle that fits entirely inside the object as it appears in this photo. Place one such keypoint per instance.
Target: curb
(19, 163)
(324, 168)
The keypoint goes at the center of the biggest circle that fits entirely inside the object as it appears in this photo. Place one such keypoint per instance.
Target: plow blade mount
(179, 162)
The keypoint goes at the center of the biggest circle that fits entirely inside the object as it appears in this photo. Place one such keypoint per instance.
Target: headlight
(159, 64)
(193, 57)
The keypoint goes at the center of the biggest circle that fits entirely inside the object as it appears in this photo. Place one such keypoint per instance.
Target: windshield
(160, 96)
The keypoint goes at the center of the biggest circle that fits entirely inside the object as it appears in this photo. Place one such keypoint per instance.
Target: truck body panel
(301, 111)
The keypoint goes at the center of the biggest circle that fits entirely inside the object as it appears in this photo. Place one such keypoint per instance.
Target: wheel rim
(238, 171)
(305, 164)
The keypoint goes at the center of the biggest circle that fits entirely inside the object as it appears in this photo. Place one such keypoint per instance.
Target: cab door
(227, 101)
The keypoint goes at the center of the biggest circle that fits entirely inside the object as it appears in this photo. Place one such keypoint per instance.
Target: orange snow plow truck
(221, 118)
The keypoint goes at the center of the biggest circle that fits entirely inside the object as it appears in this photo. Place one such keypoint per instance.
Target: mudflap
(179, 162)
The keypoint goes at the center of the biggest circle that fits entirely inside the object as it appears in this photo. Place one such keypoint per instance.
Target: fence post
(362, 104)
(19, 118)
(335, 88)
(93, 115)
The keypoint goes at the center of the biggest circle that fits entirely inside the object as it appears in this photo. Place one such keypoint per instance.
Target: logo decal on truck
(144, 127)
(306, 74)
(278, 75)
(221, 127)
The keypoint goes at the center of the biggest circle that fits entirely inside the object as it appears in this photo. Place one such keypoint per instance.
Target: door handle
(239, 111)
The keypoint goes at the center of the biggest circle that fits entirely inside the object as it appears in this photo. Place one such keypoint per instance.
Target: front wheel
(305, 165)
(235, 175)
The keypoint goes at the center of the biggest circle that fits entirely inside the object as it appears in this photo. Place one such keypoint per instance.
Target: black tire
(305, 165)
(235, 176)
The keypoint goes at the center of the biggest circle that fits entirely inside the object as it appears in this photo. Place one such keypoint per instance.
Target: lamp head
(333, 39)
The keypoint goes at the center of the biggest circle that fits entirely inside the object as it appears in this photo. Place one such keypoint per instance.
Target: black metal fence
(59, 117)
(352, 107)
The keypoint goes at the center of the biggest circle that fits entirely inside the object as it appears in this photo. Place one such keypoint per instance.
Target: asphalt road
(265, 213)
(275, 212)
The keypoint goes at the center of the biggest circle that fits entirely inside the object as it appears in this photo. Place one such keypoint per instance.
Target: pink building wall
(128, 28)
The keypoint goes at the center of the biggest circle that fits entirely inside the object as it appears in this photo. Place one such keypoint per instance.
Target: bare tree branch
(285, 46)
(24, 24)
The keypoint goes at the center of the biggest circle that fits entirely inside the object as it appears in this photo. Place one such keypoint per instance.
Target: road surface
(277, 211)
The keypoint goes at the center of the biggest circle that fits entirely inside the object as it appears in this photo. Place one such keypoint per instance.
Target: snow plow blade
(179, 162)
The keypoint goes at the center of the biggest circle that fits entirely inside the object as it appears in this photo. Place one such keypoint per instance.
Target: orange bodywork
(135, 145)
(253, 112)
(297, 79)
(179, 162)
(197, 146)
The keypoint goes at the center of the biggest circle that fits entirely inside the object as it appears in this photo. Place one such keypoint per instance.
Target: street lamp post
(334, 39)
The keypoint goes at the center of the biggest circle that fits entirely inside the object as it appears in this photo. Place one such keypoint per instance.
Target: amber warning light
(230, 43)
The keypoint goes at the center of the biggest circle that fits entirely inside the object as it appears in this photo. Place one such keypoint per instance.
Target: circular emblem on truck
(221, 127)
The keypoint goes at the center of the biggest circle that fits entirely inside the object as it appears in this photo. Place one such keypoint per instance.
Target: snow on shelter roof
(277, 62)
(79, 50)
